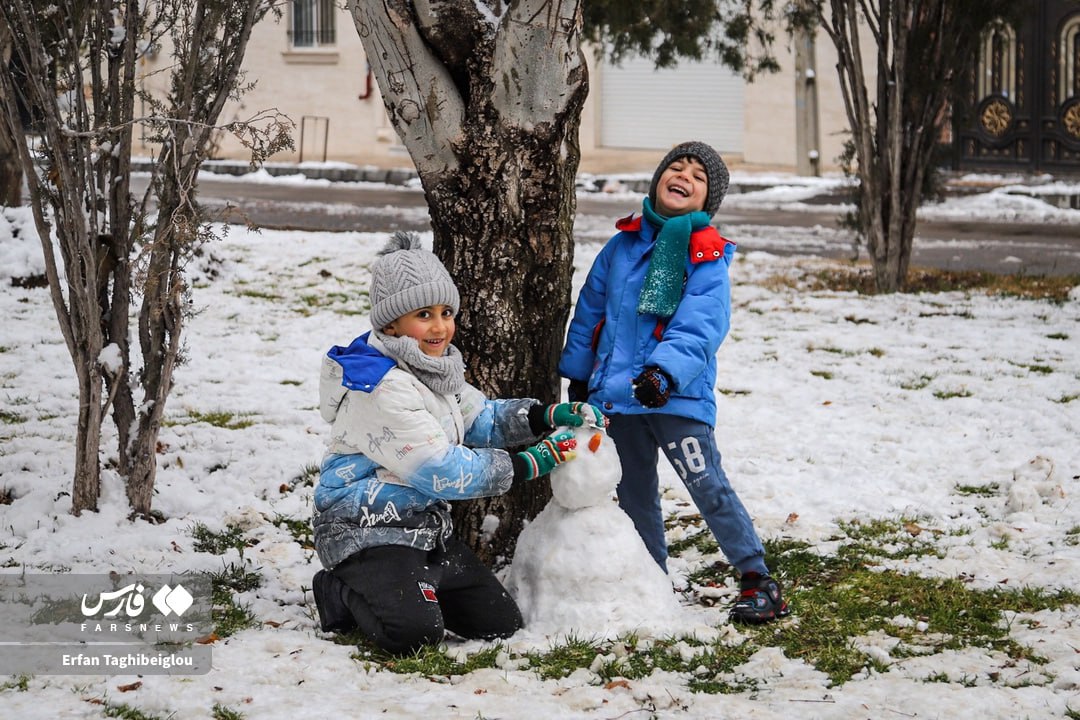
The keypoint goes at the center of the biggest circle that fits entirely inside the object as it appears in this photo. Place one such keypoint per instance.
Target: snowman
(580, 566)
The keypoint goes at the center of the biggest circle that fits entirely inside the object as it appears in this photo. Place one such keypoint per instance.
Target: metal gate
(1023, 95)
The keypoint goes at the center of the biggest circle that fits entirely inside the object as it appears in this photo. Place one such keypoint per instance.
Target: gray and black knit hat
(406, 277)
(714, 168)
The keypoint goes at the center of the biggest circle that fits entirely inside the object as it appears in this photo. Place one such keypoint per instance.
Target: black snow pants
(403, 598)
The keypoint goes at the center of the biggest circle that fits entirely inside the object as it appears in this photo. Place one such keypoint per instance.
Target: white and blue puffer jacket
(608, 343)
(399, 451)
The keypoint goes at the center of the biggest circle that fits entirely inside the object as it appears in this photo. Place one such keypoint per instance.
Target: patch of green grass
(702, 541)
(292, 382)
(218, 543)
(1058, 336)
(730, 393)
(429, 661)
(307, 477)
(860, 279)
(325, 299)
(127, 712)
(988, 490)
(901, 539)
(823, 374)
(221, 418)
(299, 528)
(1067, 398)
(843, 597)
(917, 383)
(712, 667)
(260, 295)
(229, 616)
(11, 418)
(830, 349)
(221, 712)
(1041, 369)
(623, 658)
(949, 394)
(20, 683)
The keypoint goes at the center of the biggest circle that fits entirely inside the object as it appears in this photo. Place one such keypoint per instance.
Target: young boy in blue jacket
(408, 435)
(642, 347)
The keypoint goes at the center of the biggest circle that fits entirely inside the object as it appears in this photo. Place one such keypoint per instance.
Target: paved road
(1033, 249)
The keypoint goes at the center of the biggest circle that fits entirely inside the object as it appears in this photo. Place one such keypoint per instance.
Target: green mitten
(544, 456)
(574, 414)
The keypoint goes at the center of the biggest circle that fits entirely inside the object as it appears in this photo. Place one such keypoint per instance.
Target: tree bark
(488, 105)
(11, 176)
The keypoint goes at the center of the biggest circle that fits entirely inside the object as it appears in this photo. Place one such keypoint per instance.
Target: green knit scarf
(667, 267)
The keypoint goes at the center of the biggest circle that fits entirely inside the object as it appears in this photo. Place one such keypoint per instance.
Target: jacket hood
(356, 367)
(362, 366)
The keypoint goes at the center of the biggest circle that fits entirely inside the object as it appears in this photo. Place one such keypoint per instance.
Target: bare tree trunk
(920, 47)
(206, 74)
(61, 188)
(11, 176)
(488, 105)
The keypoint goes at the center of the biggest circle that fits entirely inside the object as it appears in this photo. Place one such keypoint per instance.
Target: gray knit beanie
(715, 169)
(406, 277)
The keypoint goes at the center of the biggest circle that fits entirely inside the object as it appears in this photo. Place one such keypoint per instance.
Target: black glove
(652, 387)
(578, 391)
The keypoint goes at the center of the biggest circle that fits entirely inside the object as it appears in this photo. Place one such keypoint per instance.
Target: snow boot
(334, 615)
(760, 600)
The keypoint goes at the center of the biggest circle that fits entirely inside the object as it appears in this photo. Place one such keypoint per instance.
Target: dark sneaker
(334, 616)
(760, 601)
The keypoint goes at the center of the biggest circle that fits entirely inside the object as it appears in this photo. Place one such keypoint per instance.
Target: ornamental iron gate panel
(1023, 95)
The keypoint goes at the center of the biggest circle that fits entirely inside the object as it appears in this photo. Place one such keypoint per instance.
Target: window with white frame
(312, 23)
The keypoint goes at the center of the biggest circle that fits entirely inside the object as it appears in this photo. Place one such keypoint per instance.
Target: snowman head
(592, 477)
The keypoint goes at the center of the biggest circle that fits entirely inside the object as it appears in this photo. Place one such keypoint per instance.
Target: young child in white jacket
(408, 435)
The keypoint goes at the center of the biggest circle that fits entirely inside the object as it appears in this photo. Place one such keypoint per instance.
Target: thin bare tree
(899, 63)
(104, 250)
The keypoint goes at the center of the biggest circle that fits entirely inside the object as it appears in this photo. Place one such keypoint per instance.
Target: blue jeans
(690, 447)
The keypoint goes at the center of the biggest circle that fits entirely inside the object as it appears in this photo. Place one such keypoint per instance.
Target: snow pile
(580, 567)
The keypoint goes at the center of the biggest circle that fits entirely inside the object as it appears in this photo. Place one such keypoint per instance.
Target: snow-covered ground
(831, 406)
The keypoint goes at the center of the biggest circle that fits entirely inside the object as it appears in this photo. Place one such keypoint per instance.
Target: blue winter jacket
(398, 452)
(609, 343)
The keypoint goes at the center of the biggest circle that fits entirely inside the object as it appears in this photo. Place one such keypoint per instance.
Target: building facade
(1020, 110)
